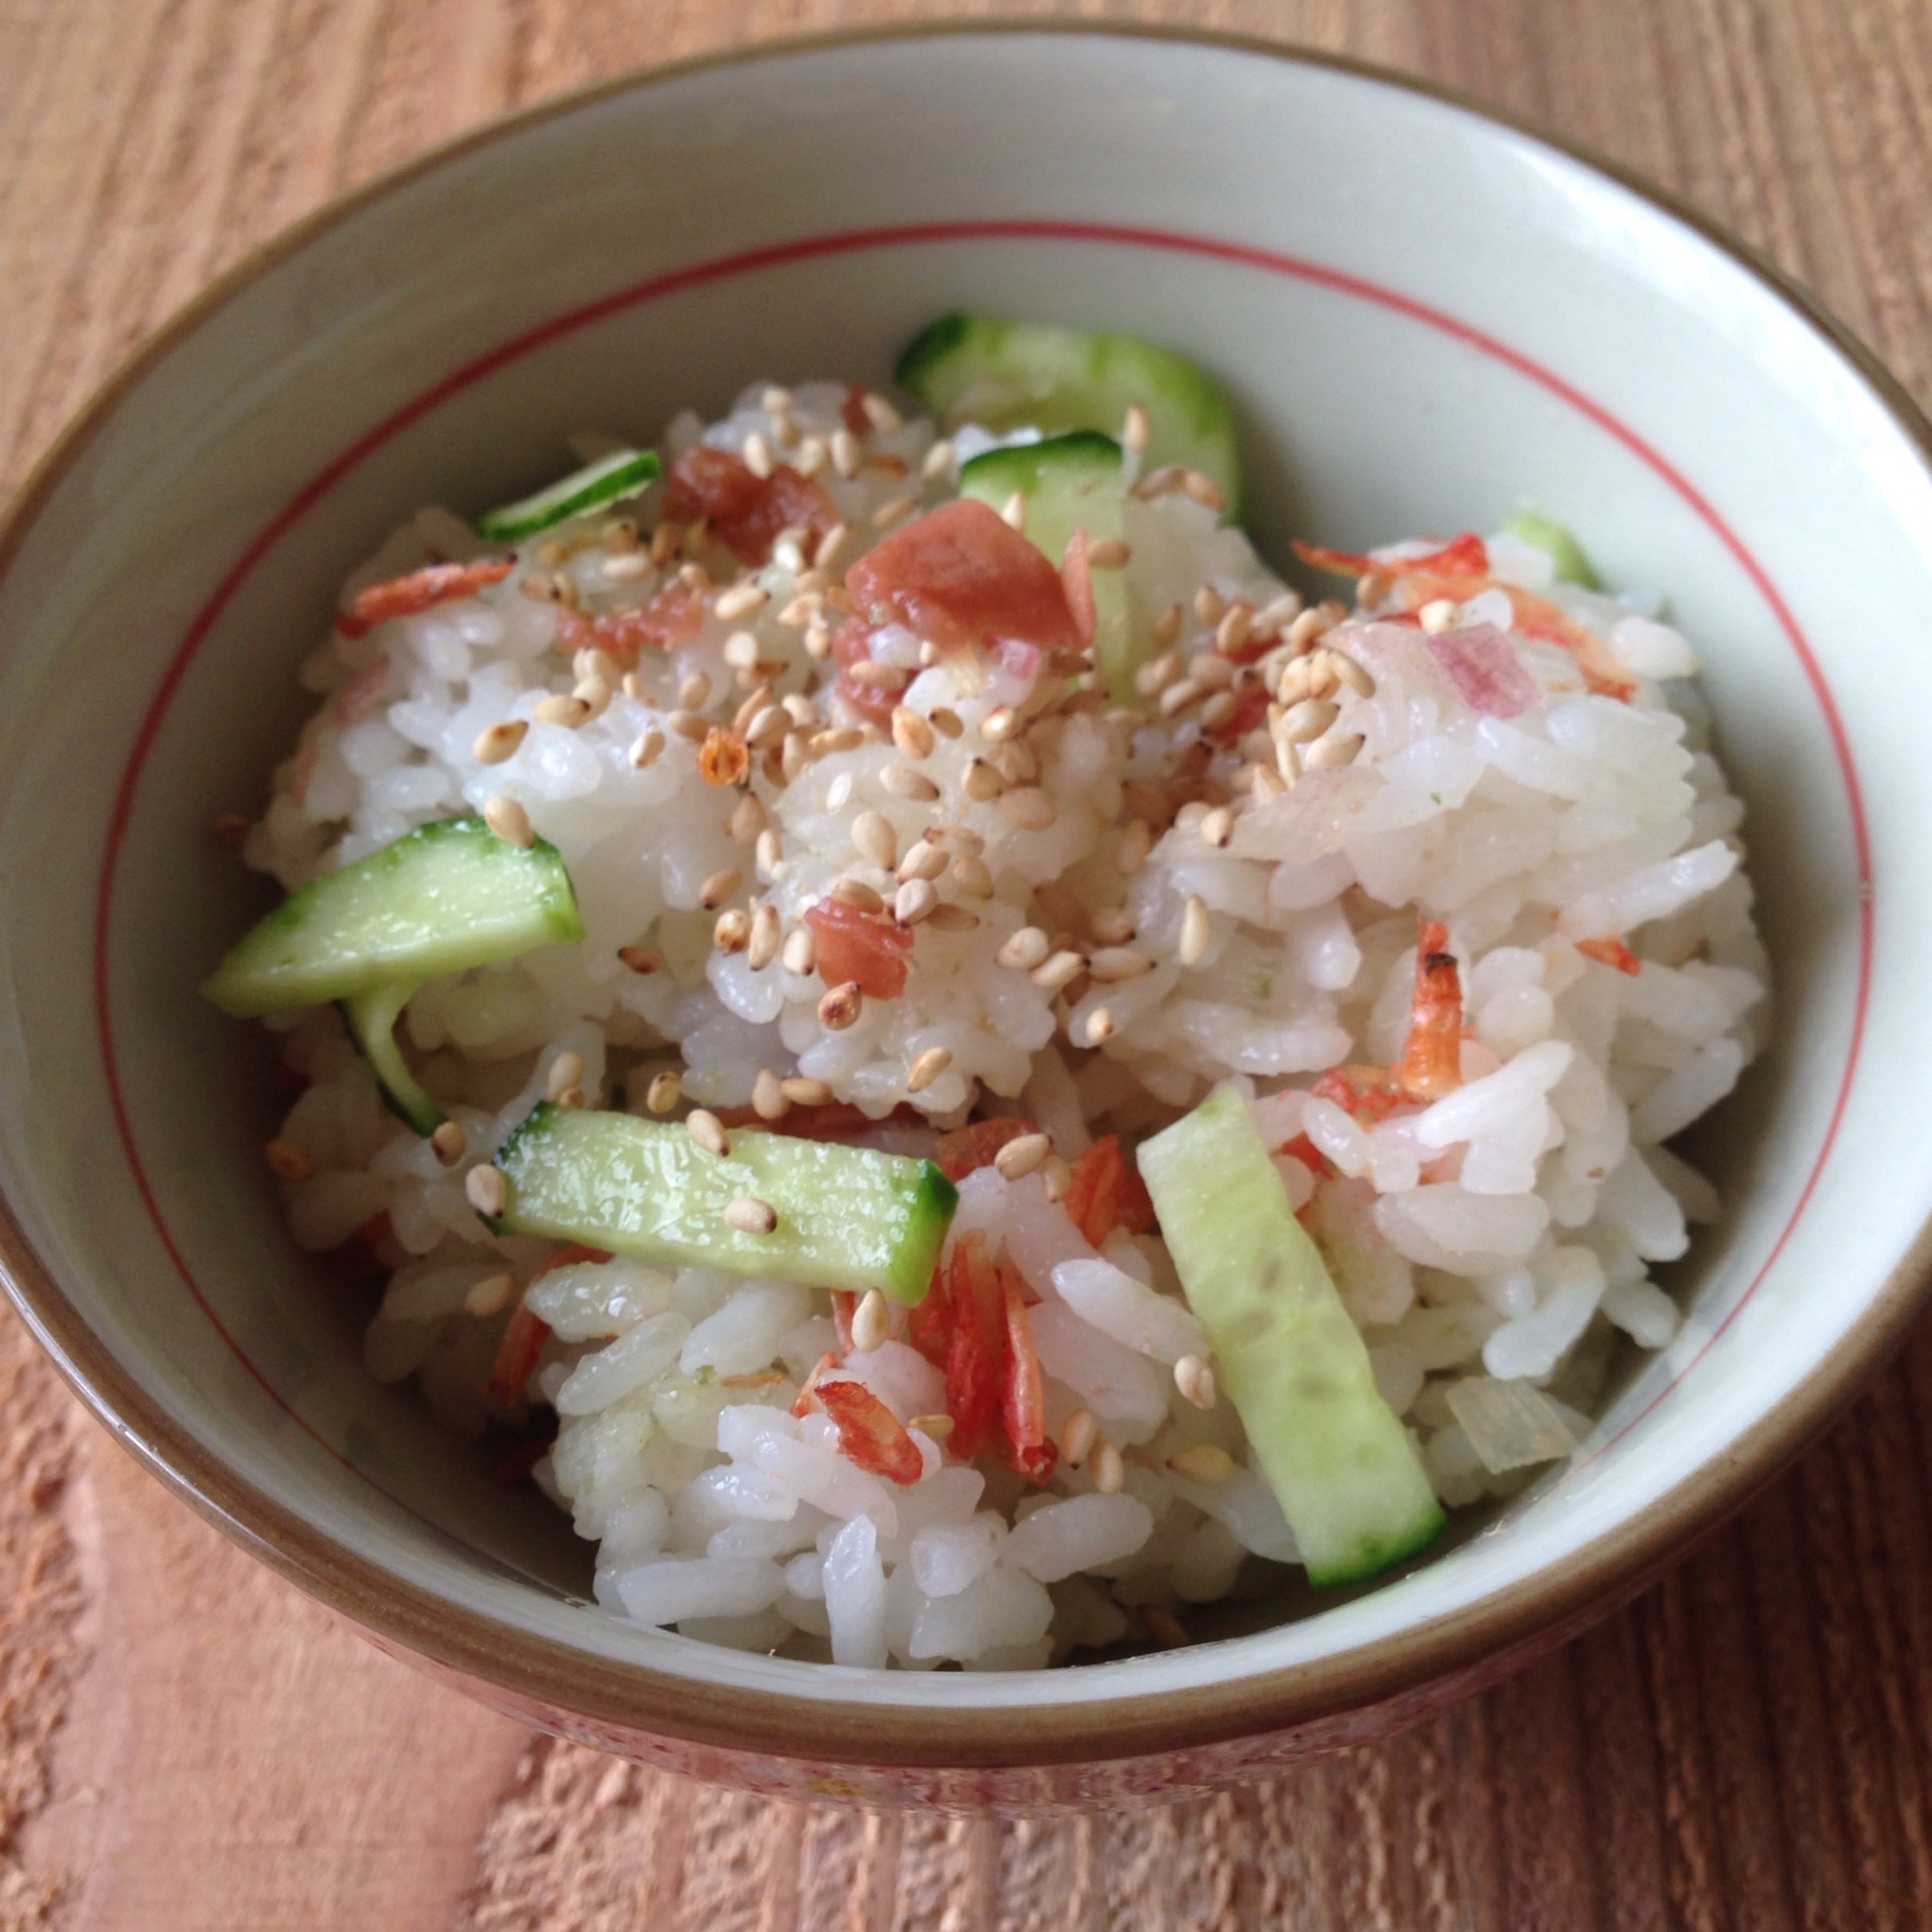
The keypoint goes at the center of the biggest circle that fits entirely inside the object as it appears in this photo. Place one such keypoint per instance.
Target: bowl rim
(635, 1696)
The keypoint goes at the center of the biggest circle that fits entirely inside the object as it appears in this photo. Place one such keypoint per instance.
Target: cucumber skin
(1206, 1184)
(530, 515)
(371, 1019)
(266, 971)
(1008, 375)
(591, 1203)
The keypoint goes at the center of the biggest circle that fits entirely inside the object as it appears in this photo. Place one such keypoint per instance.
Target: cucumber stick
(440, 900)
(1071, 482)
(1016, 375)
(608, 480)
(847, 1217)
(1338, 1459)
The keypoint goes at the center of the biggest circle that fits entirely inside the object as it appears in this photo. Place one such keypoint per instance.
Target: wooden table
(184, 1743)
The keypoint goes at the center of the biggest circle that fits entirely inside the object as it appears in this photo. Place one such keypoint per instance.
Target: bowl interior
(1423, 318)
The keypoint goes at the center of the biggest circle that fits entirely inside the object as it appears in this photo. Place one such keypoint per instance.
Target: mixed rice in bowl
(1027, 1071)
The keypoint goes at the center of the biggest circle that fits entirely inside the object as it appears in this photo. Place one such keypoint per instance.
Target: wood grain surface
(184, 1743)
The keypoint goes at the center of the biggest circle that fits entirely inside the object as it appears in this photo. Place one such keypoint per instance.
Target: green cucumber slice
(1338, 1459)
(847, 1217)
(371, 1019)
(1013, 374)
(621, 474)
(1544, 533)
(440, 900)
(1071, 482)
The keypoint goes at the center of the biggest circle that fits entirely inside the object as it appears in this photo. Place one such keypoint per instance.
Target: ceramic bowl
(1423, 314)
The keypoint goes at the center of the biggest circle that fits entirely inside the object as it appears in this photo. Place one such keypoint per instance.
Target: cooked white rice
(1490, 1246)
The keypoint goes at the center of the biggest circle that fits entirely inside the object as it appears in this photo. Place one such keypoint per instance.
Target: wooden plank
(185, 1742)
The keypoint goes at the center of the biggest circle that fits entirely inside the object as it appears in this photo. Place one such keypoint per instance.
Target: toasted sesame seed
(826, 555)
(741, 600)
(846, 455)
(1177, 698)
(762, 948)
(945, 722)
(1115, 963)
(732, 932)
(690, 725)
(1302, 723)
(1332, 753)
(1109, 554)
(1137, 431)
(894, 510)
(498, 742)
(938, 460)
(566, 1071)
(871, 1322)
(841, 1006)
(663, 1093)
(1019, 1157)
(626, 567)
(1202, 489)
(1167, 628)
(1209, 603)
(483, 1188)
(707, 1130)
(594, 693)
(1109, 1471)
(1195, 1379)
(881, 414)
(769, 853)
(981, 782)
(1218, 709)
(569, 712)
(718, 887)
(509, 821)
(638, 958)
(752, 1217)
(874, 840)
(802, 1091)
(924, 860)
(1236, 627)
(1099, 1026)
(1218, 827)
(1203, 1462)
(801, 951)
(937, 1427)
(1014, 511)
(449, 1142)
(799, 612)
(1057, 970)
(1113, 925)
(1211, 670)
(1029, 808)
(1306, 628)
(915, 899)
(1077, 1435)
(489, 1296)
(858, 894)
(812, 455)
(1155, 676)
(1296, 678)
(911, 733)
(1000, 724)
(1056, 1176)
(758, 455)
(903, 781)
(1277, 613)
(695, 692)
(289, 1160)
(1353, 675)
(927, 1068)
(647, 749)
(944, 918)
(1132, 847)
(776, 401)
(881, 676)
(747, 819)
(1027, 949)
(972, 878)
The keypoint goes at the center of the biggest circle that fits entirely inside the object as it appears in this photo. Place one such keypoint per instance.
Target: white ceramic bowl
(1422, 314)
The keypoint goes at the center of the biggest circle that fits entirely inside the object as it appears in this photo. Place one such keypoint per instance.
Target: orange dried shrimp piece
(869, 1434)
(420, 591)
(1106, 1193)
(968, 1148)
(1611, 952)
